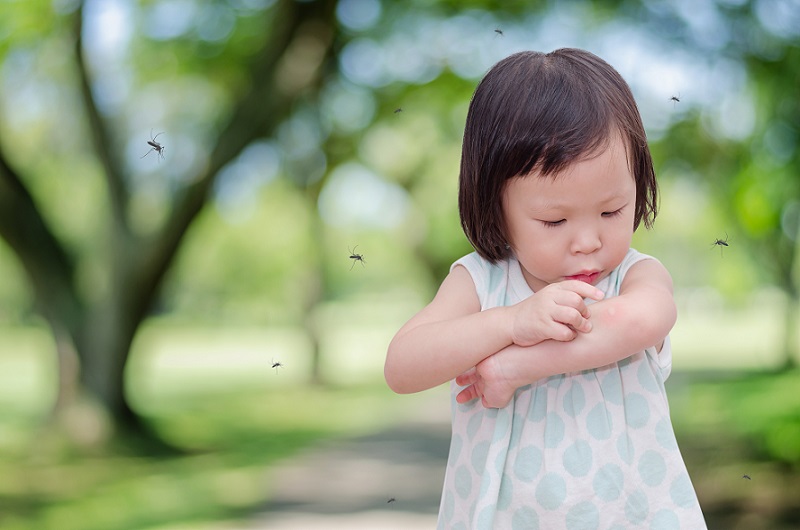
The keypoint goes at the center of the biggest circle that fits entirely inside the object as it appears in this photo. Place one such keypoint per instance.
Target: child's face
(577, 224)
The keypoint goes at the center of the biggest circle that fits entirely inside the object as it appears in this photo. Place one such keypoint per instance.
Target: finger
(467, 395)
(585, 290)
(467, 378)
(574, 300)
(571, 317)
(560, 332)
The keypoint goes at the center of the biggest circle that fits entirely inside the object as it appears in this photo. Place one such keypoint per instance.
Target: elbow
(392, 374)
(396, 383)
(653, 326)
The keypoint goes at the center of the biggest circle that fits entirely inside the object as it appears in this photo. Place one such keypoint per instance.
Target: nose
(586, 240)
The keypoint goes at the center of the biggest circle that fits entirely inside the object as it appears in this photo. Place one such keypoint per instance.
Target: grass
(740, 437)
(230, 439)
(216, 397)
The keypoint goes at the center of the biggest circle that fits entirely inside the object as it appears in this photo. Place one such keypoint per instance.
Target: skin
(568, 231)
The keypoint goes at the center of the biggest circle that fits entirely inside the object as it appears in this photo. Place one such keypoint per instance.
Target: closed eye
(612, 214)
(553, 224)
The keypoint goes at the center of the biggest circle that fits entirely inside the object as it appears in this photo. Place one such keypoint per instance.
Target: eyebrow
(555, 206)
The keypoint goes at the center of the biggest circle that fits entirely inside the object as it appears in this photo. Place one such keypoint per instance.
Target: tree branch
(100, 133)
(47, 264)
(257, 112)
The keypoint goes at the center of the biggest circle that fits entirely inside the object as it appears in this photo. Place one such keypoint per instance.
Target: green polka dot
(647, 379)
(474, 424)
(625, 448)
(665, 520)
(652, 468)
(608, 482)
(528, 463)
(506, 493)
(525, 519)
(456, 443)
(500, 460)
(448, 507)
(486, 483)
(578, 458)
(553, 430)
(682, 492)
(463, 482)
(583, 516)
(665, 435)
(636, 507)
(611, 386)
(517, 424)
(637, 411)
(598, 422)
(486, 518)
(479, 454)
(551, 491)
(574, 400)
(501, 424)
(537, 409)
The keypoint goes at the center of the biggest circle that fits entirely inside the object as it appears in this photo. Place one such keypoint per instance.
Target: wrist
(518, 365)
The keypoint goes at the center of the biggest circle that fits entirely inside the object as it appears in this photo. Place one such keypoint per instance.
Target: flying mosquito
(499, 32)
(155, 146)
(721, 243)
(356, 257)
(276, 365)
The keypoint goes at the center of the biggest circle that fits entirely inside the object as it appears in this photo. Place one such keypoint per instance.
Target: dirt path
(391, 479)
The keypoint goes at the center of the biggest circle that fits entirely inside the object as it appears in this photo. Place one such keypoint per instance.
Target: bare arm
(640, 317)
(452, 334)
(448, 336)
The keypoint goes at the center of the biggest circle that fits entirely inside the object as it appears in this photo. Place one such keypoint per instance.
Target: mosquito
(747, 477)
(356, 257)
(398, 109)
(155, 146)
(391, 500)
(499, 32)
(675, 99)
(720, 243)
(276, 365)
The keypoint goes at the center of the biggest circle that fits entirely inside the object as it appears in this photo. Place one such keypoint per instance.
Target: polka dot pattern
(588, 450)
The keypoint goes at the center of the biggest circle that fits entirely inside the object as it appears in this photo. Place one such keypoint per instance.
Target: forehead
(599, 177)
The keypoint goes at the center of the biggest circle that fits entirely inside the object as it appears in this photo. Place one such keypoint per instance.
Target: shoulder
(490, 280)
(638, 269)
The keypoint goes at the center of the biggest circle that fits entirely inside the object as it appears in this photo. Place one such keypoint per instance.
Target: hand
(556, 312)
(488, 382)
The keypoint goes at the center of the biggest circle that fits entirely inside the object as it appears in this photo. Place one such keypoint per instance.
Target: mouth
(586, 276)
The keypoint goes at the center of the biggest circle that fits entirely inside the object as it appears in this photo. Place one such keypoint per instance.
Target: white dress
(580, 451)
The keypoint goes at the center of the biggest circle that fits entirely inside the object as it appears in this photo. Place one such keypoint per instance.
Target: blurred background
(178, 323)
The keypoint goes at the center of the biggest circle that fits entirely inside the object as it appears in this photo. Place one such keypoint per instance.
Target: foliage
(313, 127)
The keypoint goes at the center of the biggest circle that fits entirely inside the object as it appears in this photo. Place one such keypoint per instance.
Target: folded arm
(452, 334)
(640, 317)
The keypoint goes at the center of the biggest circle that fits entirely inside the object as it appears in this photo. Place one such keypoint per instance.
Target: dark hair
(536, 111)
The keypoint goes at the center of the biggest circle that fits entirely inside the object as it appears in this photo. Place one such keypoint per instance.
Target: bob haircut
(541, 112)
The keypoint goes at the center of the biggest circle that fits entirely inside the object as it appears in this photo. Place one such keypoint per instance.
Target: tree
(746, 149)
(97, 325)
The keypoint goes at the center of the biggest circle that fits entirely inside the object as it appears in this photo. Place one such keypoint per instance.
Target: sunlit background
(180, 334)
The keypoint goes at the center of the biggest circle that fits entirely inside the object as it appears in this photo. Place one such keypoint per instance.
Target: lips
(587, 276)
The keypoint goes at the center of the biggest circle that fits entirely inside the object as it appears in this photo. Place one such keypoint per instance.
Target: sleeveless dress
(579, 451)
